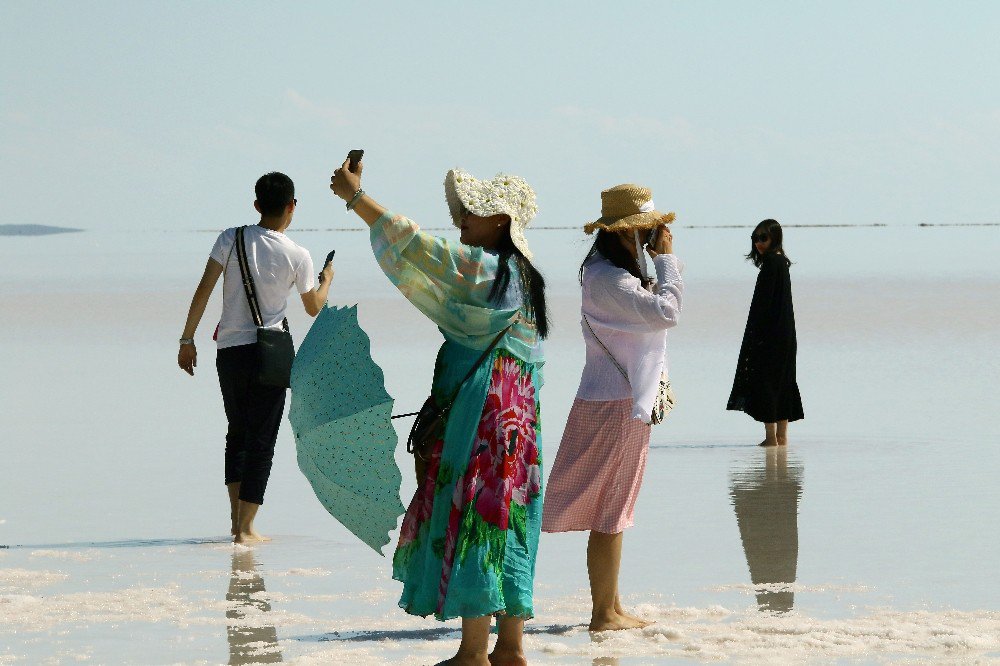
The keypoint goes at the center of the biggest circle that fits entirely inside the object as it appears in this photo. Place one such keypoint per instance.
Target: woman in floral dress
(469, 537)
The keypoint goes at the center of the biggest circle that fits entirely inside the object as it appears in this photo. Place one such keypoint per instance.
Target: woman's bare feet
(615, 622)
(621, 611)
(507, 657)
(465, 660)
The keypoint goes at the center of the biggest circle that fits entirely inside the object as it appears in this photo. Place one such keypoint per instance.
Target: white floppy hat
(504, 194)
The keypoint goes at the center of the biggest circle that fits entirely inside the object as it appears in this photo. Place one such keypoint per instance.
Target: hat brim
(457, 203)
(653, 218)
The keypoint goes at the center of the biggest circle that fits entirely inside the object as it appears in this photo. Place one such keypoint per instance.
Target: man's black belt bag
(275, 351)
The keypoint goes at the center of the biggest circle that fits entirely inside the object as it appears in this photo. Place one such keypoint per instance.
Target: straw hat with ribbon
(504, 194)
(630, 207)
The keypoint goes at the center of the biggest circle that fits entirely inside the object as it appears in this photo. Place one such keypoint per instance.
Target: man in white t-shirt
(253, 410)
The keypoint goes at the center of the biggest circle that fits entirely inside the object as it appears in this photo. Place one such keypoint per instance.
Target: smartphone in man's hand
(326, 263)
(354, 158)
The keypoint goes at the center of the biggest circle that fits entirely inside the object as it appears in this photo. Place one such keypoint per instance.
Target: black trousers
(254, 415)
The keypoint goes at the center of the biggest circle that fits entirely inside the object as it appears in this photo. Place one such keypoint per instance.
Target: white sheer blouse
(632, 323)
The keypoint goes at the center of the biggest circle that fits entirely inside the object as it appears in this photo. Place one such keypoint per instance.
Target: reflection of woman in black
(765, 386)
(766, 501)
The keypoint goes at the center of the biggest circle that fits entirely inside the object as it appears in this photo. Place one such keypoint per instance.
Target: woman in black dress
(765, 386)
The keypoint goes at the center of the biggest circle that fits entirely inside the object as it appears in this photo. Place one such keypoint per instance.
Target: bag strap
(479, 362)
(471, 371)
(606, 350)
(248, 285)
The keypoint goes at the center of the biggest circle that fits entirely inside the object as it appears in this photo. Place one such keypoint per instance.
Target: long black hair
(609, 245)
(773, 231)
(532, 283)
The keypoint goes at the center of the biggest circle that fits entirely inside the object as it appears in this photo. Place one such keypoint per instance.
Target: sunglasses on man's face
(759, 238)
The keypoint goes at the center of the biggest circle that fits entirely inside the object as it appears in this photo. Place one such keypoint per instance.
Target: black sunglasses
(758, 238)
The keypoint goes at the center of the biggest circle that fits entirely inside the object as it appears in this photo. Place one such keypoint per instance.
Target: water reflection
(251, 640)
(765, 495)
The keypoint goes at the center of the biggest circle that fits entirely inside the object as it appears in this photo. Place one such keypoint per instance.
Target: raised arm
(346, 184)
(448, 282)
(625, 304)
(314, 299)
(187, 356)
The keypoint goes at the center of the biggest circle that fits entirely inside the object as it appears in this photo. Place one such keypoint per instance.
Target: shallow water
(871, 538)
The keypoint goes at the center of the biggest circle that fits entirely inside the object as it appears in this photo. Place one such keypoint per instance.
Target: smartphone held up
(354, 158)
(329, 258)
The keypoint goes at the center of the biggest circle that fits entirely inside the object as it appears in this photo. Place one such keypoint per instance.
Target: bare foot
(615, 622)
(465, 660)
(782, 441)
(768, 442)
(508, 657)
(642, 622)
(621, 611)
(250, 537)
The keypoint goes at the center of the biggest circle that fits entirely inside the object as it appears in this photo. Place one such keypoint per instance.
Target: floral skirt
(469, 538)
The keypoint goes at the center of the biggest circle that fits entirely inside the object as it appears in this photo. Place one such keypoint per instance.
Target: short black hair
(274, 191)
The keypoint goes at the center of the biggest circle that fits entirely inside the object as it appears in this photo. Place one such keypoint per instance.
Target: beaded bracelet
(355, 199)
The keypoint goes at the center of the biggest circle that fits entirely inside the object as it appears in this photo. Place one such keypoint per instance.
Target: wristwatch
(187, 341)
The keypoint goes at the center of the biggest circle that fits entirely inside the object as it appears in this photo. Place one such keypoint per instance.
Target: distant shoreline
(700, 226)
(34, 230)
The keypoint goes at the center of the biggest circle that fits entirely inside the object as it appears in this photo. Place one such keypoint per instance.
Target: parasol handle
(400, 416)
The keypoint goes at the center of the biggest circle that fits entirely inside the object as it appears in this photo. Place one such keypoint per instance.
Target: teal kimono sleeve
(448, 282)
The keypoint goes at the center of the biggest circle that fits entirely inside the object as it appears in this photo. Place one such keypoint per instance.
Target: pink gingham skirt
(595, 480)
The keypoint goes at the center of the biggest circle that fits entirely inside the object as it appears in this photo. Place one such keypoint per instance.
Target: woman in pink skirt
(598, 469)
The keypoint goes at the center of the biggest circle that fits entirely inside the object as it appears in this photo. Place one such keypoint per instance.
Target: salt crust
(16, 580)
(24, 613)
(62, 555)
(715, 634)
(747, 588)
(712, 633)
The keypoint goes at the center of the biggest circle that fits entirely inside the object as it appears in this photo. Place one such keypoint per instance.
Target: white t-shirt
(276, 263)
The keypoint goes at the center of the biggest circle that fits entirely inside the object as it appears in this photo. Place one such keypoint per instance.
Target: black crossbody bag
(275, 351)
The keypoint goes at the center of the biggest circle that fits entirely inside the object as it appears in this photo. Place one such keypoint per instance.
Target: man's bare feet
(615, 622)
(508, 657)
(782, 441)
(250, 537)
(768, 442)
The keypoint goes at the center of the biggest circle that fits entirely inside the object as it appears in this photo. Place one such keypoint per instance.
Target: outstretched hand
(345, 182)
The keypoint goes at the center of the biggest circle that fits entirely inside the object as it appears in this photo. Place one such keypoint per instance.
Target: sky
(161, 115)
